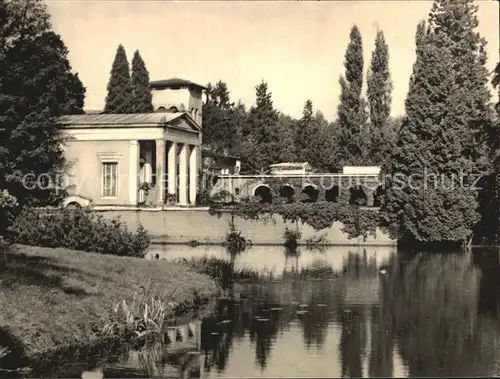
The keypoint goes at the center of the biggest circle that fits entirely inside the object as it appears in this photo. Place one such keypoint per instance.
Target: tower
(178, 95)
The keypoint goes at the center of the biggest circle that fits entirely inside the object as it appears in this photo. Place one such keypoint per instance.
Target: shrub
(9, 207)
(78, 229)
(203, 197)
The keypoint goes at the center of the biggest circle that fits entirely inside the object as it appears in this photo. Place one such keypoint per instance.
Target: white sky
(297, 47)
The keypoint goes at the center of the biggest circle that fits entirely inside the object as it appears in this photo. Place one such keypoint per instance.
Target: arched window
(310, 194)
(264, 194)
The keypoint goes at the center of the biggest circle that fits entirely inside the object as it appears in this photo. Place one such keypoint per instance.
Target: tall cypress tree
(142, 97)
(379, 99)
(447, 109)
(119, 98)
(352, 115)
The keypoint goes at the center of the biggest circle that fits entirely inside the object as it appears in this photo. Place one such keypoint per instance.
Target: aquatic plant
(222, 271)
(292, 237)
(316, 242)
(234, 240)
(145, 315)
(318, 269)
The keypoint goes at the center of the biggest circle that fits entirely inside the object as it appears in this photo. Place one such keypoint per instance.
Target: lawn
(55, 297)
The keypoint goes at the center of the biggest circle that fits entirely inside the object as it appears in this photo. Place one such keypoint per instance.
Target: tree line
(450, 128)
(444, 151)
(362, 133)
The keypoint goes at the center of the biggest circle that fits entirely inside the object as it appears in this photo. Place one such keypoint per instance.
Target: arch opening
(173, 110)
(332, 194)
(264, 193)
(74, 205)
(287, 192)
(161, 109)
(357, 196)
(310, 194)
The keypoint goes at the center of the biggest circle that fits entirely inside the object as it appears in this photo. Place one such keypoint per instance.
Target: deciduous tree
(220, 128)
(36, 86)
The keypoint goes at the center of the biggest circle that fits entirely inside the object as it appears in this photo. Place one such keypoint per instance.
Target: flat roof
(289, 165)
(120, 119)
(174, 82)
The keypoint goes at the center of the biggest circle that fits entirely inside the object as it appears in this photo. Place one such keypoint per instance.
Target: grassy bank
(53, 298)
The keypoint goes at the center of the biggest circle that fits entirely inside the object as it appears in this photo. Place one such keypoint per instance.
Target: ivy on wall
(357, 221)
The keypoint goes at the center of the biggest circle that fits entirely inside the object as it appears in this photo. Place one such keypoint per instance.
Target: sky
(296, 47)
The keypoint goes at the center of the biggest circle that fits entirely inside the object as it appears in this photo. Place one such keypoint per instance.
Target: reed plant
(222, 271)
(292, 238)
(145, 315)
(235, 241)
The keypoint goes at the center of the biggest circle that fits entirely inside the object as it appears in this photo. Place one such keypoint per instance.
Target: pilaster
(133, 172)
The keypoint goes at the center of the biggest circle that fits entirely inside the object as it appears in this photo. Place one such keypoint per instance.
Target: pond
(341, 312)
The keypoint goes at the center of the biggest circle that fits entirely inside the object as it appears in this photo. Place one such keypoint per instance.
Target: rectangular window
(109, 179)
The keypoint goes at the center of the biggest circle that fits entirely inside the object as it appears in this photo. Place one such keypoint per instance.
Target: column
(369, 197)
(172, 168)
(133, 172)
(183, 174)
(202, 366)
(160, 171)
(172, 336)
(193, 174)
(185, 333)
(197, 334)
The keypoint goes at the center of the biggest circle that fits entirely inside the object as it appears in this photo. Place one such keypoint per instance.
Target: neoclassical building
(136, 159)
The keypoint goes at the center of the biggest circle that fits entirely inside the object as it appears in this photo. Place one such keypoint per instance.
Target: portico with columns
(150, 159)
(134, 160)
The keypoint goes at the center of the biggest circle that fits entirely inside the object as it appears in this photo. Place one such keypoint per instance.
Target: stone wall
(181, 226)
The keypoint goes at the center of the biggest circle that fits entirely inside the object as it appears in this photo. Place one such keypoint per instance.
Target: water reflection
(275, 259)
(334, 314)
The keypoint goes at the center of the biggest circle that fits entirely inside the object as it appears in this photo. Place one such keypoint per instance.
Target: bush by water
(77, 229)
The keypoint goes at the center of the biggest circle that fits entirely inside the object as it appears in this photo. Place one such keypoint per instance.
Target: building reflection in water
(429, 315)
